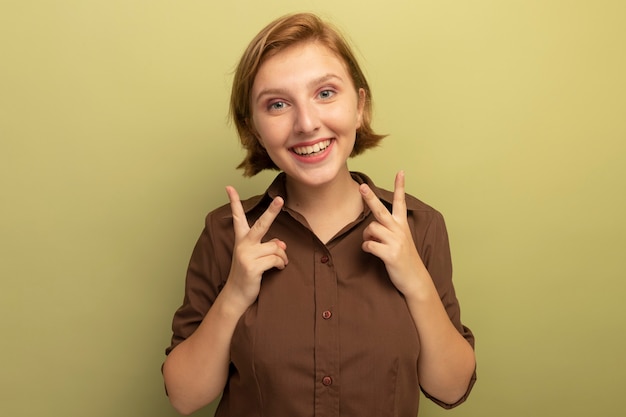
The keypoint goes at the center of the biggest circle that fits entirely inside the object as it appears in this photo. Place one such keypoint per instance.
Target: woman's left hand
(446, 361)
(390, 239)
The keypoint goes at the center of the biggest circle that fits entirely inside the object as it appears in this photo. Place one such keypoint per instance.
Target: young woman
(324, 296)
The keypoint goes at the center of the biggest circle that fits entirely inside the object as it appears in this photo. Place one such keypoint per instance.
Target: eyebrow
(314, 82)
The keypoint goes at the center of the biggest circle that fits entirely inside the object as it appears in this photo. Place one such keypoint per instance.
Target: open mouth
(312, 149)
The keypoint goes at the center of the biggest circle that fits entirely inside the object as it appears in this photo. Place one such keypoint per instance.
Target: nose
(307, 119)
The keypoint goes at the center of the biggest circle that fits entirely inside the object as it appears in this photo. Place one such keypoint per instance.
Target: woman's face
(305, 111)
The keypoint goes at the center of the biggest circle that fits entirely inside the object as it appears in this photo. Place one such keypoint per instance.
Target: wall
(508, 116)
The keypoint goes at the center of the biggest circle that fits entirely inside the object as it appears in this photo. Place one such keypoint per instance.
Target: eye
(326, 94)
(277, 105)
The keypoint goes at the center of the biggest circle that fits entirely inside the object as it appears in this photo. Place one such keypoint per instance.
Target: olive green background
(508, 116)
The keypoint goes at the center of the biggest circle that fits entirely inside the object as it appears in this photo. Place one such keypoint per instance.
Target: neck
(307, 198)
(328, 207)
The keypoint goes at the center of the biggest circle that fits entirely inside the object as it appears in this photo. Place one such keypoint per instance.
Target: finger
(373, 247)
(281, 260)
(278, 248)
(270, 252)
(263, 223)
(399, 197)
(377, 232)
(280, 243)
(240, 223)
(272, 261)
(378, 208)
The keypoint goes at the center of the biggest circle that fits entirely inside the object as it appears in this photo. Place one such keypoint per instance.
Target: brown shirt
(329, 335)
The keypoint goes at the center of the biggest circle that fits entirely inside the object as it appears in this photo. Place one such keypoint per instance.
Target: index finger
(240, 222)
(378, 208)
(399, 196)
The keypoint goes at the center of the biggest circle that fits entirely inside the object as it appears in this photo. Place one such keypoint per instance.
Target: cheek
(260, 128)
(349, 119)
(271, 132)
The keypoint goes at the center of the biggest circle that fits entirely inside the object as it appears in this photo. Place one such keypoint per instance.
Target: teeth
(309, 150)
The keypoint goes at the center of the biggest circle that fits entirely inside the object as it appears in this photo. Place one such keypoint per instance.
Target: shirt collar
(278, 188)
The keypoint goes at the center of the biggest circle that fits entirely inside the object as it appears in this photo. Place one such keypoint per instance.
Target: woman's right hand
(196, 370)
(251, 256)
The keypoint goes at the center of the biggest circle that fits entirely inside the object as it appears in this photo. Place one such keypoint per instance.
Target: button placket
(326, 331)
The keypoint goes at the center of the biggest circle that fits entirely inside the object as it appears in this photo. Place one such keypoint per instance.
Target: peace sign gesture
(251, 257)
(389, 237)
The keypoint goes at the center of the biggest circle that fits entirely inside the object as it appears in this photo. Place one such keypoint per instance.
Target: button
(327, 314)
(327, 380)
(324, 259)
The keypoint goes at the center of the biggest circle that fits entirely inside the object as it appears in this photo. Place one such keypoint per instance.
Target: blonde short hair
(274, 38)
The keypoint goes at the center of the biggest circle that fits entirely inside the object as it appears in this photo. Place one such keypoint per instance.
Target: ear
(360, 107)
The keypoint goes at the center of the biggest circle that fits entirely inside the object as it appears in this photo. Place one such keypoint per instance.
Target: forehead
(299, 62)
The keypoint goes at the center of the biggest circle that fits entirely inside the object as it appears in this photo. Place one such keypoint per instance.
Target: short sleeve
(431, 237)
(206, 275)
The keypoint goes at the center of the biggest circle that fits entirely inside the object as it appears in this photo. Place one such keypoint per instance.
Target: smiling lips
(312, 150)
